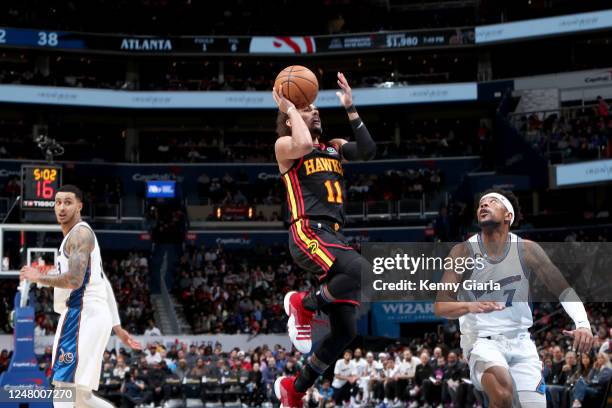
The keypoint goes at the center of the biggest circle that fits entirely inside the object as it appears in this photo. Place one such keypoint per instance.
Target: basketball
(299, 85)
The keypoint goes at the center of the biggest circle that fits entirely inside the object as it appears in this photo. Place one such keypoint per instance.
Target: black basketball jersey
(315, 185)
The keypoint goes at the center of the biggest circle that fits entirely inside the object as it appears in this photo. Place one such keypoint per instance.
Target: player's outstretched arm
(363, 148)
(447, 304)
(538, 261)
(299, 143)
(79, 246)
(126, 338)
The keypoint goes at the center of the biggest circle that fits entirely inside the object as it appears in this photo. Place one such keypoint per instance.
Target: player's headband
(504, 201)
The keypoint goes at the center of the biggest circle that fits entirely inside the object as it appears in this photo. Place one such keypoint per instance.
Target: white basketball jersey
(513, 280)
(93, 287)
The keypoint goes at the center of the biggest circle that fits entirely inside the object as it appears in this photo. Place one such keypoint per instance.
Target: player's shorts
(516, 354)
(317, 245)
(80, 340)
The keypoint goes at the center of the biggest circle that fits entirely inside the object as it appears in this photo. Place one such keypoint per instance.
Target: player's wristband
(574, 308)
(351, 109)
(289, 110)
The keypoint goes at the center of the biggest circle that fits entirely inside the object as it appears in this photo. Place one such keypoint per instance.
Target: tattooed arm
(78, 247)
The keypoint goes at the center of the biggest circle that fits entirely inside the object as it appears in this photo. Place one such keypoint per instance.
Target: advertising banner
(118, 99)
(387, 316)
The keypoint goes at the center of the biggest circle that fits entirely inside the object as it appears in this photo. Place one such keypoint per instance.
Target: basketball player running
(85, 301)
(503, 359)
(313, 175)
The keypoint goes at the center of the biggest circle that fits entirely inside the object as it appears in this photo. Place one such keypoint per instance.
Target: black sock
(314, 301)
(307, 377)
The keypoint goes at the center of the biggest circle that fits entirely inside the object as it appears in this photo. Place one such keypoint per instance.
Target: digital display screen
(161, 189)
(598, 171)
(236, 45)
(40, 183)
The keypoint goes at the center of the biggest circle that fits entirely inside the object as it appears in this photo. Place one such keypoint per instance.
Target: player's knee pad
(532, 399)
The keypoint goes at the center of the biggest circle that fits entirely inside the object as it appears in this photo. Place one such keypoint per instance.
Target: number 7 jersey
(511, 276)
(315, 186)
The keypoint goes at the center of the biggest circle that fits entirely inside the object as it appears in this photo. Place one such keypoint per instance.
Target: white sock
(87, 399)
(532, 399)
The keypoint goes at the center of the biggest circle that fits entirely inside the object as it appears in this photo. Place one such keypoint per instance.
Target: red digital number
(44, 190)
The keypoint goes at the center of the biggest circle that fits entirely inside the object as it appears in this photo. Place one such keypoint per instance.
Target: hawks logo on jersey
(315, 186)
(318, 164)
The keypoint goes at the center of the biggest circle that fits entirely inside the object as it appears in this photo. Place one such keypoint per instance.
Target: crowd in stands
(231, 143)
(97, 79)
(167, 223)
(393, 378)
(572, 378)
(233, 75)
(236, 291)
(583, 220)
(419, 139)
(573, 134)
(230, 18)
(425, 370)
(233, 189)
(203, 147)
(129, 277)
(235, 17)
(93, 143)
(362, 71)
(8, 288)
(394, 184)
(241, 291)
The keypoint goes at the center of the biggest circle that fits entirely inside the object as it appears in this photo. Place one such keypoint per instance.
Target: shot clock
(39, 185)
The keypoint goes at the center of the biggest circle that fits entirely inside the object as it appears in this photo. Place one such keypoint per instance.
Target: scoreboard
(234, 45)
(39, 185)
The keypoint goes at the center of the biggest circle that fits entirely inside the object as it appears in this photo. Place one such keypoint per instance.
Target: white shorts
(78, 347)
(518, 355)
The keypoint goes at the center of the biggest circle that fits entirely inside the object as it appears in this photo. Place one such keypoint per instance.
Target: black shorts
(315, 245)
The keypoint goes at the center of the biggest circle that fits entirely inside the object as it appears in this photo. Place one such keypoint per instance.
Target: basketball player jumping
(502, 357)
(313, 175)
(85, 301)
